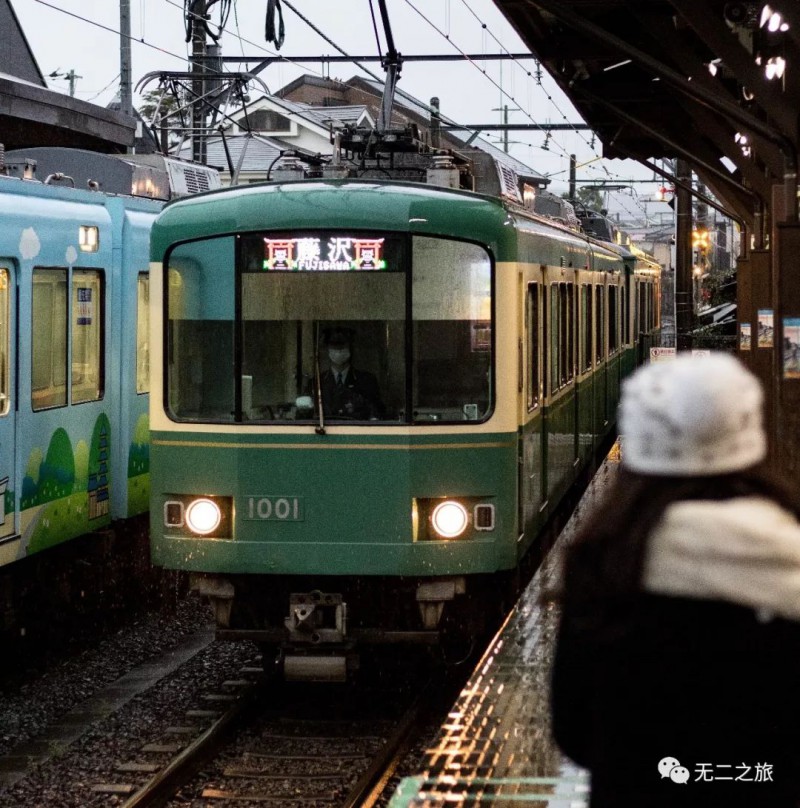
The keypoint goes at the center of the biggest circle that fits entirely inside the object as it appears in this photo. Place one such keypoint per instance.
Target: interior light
(203, 516)
(766, 14)
(449, 519)
(88, 238)
(713, 66)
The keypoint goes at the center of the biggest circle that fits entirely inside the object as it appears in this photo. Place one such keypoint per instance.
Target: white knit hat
(692, 416)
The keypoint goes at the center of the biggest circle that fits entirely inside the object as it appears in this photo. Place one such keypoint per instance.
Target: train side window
(641, 309)
(599, 310)
(570, 331)
(49, 339)
(612, 320)
(532, 321)
(555, 335)
(586, 320)
(88, 366)
(5, 342)
(626, 333)
(546, 391)
(564, 335)
(143, 333)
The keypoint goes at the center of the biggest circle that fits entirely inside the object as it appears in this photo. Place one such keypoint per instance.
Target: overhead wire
(505, 94)
(375, 28)
(328, 39)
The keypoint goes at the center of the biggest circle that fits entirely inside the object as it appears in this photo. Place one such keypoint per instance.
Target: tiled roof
(423, 110)
(259, 152)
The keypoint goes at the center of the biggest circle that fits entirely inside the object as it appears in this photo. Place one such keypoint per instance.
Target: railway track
(287, 745)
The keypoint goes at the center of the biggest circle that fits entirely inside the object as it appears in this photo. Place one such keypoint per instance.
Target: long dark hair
(603, 566)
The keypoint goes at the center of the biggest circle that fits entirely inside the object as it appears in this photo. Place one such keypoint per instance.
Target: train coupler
(316, 618)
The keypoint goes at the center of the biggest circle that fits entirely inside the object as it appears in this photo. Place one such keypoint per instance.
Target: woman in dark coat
(677, 673)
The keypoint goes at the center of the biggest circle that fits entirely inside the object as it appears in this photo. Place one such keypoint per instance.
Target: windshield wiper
(320, 428)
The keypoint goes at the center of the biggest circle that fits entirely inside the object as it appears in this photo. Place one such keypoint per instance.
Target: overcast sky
(62, 43)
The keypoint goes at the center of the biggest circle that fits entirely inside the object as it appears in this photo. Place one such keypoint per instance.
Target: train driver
(347, 392)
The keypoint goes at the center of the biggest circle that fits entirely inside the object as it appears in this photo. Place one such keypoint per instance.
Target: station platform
(496, 747)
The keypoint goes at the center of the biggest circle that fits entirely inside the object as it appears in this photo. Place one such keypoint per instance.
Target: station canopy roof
(678, 78)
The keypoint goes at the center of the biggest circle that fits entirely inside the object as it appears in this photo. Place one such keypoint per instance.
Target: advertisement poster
(765, 328)
(744, 336)
(791, 347)
(662, 354)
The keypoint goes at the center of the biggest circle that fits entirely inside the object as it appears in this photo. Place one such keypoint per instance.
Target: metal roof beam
(711, 28)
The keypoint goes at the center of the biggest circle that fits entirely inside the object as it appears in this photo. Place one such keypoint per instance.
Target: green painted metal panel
(355, 495)
(312, 203)
(559, 420)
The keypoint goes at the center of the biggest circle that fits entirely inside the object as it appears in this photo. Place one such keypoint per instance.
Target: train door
(8, 526)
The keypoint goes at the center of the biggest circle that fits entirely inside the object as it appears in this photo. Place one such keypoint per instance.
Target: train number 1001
(280, 509)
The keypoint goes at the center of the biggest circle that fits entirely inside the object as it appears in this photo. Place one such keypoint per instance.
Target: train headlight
(203, 516)
(449, 519)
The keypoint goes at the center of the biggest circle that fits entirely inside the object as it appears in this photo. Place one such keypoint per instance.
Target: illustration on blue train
(74, 347)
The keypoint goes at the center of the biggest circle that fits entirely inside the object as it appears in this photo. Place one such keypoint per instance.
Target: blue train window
(87, 335)
(49, 339)
(143, 333)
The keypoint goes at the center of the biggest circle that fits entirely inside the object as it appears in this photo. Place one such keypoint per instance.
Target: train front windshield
(333, 326)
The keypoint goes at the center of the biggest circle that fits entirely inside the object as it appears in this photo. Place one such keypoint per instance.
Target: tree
(589, 197)
(161, 110)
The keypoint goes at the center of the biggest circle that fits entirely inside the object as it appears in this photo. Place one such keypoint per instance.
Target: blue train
(74, 346)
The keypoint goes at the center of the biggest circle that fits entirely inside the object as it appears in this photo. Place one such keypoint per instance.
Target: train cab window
(5, 341)
(599, 322)
(452, 330)
(49, 339)
(586, 327)
(613, 323)
(329, 326)
(143, 333)
(200, 288)
(88, 369)
(532, 323)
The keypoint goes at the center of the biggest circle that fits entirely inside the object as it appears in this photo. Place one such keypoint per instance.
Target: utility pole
(572, 168)
(125, 84)
(684, 319)
(198, 12)
(72, 77)
(505, 110)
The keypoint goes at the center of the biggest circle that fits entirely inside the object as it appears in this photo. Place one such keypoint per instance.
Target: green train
(368, 398)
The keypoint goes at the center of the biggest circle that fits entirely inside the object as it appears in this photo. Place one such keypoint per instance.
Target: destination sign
(333, 254)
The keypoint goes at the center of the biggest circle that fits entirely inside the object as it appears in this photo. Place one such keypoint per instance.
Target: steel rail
(167, 781)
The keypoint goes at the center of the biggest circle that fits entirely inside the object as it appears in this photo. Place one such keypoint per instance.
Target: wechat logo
(671, 767)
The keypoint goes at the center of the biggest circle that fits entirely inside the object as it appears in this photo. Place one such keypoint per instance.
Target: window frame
(406, 237)
(100, 313)
(6, 392)
(532, 319)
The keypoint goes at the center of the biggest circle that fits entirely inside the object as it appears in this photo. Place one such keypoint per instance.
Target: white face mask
(339, 356)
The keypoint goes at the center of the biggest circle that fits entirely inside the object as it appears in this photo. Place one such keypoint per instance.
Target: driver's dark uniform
(356, 395)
